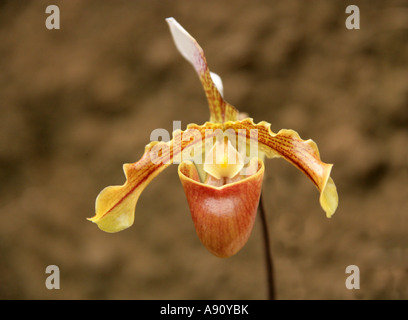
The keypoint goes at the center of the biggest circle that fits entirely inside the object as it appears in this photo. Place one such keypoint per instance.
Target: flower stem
(268, 254)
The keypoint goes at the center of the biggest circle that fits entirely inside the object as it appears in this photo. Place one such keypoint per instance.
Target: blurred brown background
(77, 103)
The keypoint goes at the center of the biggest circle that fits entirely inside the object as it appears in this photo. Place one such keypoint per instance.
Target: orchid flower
(220, 167)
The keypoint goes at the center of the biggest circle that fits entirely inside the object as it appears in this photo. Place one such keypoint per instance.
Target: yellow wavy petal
(302, 154)
(220, 110)
(115, 205)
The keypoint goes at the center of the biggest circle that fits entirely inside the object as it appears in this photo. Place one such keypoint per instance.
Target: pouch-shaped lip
(223, 216)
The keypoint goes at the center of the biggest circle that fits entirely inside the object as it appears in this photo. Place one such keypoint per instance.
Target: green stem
(268, 254)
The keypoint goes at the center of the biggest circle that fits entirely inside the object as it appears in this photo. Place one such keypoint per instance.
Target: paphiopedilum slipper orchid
(220, 166)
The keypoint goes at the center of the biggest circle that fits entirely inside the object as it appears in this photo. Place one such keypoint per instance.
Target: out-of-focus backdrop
(77, 103)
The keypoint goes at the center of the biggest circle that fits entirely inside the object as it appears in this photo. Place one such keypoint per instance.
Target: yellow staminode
(223, 160)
